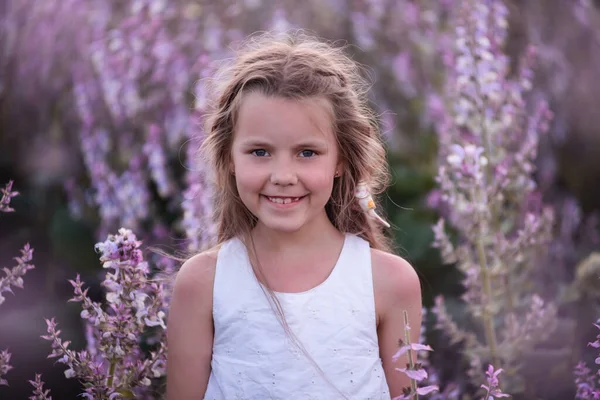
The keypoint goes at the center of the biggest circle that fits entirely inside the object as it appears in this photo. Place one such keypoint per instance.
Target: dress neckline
(317, 287)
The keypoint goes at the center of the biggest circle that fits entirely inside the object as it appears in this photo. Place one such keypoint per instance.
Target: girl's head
(304, 101)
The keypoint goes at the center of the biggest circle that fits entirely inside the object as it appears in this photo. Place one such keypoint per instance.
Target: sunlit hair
(299, 67)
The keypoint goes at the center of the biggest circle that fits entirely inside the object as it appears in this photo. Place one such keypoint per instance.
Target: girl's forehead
(261, 115)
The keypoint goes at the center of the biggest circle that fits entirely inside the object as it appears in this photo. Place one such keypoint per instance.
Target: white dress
(253, 358)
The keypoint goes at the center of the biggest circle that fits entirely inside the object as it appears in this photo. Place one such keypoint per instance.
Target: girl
(301, 299)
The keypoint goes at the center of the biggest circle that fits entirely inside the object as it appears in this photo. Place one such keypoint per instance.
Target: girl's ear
(339, 169)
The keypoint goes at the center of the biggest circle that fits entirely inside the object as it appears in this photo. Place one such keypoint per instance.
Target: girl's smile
(284, 203)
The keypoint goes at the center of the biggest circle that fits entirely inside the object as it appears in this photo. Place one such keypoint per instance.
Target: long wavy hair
(299, 67)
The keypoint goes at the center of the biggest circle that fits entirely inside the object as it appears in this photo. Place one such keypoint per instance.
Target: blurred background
(99, 110)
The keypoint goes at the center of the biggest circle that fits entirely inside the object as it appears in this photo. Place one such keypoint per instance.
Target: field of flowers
(488, 110)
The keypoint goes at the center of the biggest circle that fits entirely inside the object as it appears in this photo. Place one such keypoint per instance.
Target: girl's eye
(260, 152)
(307, 153)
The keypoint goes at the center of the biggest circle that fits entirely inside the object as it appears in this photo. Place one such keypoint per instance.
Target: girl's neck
(310, 236)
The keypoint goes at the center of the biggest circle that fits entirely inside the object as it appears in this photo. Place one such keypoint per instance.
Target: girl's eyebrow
(254, 143)
(320, 144)
(306, 144)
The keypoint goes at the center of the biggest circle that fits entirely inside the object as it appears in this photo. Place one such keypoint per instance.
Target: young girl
(301, 299)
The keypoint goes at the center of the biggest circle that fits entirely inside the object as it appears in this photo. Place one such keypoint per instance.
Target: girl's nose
(283, 176)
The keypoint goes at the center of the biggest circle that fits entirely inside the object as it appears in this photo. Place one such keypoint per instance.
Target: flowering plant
(492, 389)
(38, 389)
(13, 276)
(587, 382)
(115, 365)
(414, 370)
(488, 145)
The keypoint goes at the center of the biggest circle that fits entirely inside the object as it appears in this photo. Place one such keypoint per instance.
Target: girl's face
(284, 156)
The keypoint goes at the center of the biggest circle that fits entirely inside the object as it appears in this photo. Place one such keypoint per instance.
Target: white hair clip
(366, 202)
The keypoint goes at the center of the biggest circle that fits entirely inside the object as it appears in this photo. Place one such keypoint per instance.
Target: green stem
(488, 320)
(494, 214)
(411, 363)
(111, 373)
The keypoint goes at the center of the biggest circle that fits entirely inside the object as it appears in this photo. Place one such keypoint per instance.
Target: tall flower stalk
(13, 277)
(488, 146)
(413, 370)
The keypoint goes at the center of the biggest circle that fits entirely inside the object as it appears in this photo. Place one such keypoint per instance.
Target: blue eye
(259, 152)
(308, 153)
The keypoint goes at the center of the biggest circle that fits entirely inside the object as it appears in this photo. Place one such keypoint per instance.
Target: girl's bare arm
(397, 288)
(190, 329)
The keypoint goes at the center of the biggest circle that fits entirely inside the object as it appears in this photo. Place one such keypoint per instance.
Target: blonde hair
(299, 67)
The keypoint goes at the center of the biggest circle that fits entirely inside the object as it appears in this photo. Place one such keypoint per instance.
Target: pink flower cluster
(114, 364)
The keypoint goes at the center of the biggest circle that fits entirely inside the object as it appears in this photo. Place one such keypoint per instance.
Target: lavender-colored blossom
(417, 373)
(4, 366)
(39, 393)
(586, 380)
(588, 387)
(412, 346)
(114, 363)
(14, 275)
(492, 388)
(413, 370)
(7, 195)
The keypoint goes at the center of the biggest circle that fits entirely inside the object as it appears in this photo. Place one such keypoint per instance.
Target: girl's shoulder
(394, 279)
(198, 271)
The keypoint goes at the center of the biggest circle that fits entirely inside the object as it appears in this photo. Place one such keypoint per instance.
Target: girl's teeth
(279, 200)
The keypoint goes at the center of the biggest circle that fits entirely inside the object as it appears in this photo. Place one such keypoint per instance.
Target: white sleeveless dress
(253, 358)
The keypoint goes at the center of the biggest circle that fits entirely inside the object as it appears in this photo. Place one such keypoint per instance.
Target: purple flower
(492, 388)
(7, 195)
(114, 362)
(587, 382)
(420, 391)
(411, 346)
(4, 366)
(413, 370)
(39, 393)
(14, 276)
(416, 374)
